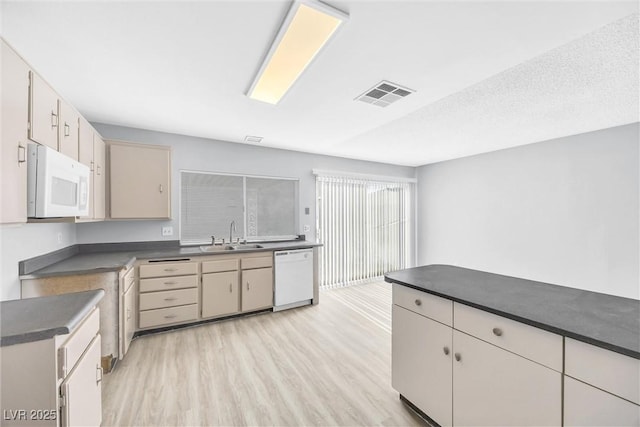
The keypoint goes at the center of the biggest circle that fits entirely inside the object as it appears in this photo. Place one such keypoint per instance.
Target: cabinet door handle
(91, 168)
(98, 374)
(230, 288)
(128, 313)
(54, 119)
(418, 302)
(161, 188)
(170, 283)
(247, 285)
(66, 129)
(458, 357)
(98, 170)
(497, 332)
(446, 350)
(170, 269)
(171, 299)
(170, 316)
(22, 153)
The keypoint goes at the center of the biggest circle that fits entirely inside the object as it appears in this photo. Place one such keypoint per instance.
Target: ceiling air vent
(384, 93)
(252, 139)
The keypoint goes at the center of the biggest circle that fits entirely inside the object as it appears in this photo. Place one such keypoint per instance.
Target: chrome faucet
(232, 228)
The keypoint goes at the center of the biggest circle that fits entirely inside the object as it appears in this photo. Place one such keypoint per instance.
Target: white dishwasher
(293, 278)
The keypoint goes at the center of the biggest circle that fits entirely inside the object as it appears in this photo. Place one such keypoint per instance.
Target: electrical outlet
(307, 228)
(59, 238)
(167, 231)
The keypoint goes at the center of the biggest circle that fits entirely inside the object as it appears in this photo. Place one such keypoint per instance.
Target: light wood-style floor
(328, 364)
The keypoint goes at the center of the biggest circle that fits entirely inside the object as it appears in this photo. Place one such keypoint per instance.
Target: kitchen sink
(223, 248)
(220, 248)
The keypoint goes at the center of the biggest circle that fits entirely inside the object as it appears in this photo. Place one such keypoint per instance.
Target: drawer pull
(458, 357)
(170, 316)
(418, 302)
(170, 269)
(170, 282)
(446, 351)
(497, 332)
(171, 299)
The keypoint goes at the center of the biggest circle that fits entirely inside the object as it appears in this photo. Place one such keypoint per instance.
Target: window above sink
(263, 208)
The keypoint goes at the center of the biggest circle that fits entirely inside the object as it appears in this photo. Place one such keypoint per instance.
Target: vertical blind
(364, 226)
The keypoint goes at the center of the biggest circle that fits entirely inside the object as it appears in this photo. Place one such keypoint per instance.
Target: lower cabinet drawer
(610, 371)
(168, 283)
(256, 262)
(167, 316)
(152, 300)
(527, 341)
(432, 306)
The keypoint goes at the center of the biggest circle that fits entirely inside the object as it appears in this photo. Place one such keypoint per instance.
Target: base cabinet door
(492, 386)
(82, 390)
(257, 289)
(220, 294)
(585, 405)
(421, 363)
(129, 320)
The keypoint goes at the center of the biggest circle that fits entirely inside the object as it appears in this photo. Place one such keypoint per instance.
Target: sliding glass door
(365, 227)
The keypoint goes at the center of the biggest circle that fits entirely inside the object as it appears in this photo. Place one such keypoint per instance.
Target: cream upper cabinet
(139, 181)
(85, 156)
(92, 153)
(421, 364)
(257, 289)
(68, 130)
(43, 112)
(14, 94)
(99, 174)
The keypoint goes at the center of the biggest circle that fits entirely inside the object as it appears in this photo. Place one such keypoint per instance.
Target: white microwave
(57, 185)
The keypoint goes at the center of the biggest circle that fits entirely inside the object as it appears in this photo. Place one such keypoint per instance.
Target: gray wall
(19, 242)
(564, 211)
(190, 153)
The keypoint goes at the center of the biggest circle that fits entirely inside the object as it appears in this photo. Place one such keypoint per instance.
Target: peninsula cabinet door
(492, 386)
(139, 181)
(421, 363)
(585, 405)
(257, 289)
(220, 294)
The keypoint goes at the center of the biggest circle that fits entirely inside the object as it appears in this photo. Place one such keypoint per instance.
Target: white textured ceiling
(488, 75)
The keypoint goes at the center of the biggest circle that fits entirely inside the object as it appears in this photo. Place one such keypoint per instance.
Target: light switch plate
(306, 228)
(167, 231)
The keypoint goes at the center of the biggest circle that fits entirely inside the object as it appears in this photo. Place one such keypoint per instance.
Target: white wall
(19, 242)
(564, 211)
(190, 153)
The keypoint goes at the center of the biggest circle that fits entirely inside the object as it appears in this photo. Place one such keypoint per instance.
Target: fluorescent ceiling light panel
(305, 31)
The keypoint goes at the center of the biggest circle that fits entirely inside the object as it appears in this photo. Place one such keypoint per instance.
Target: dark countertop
(101, 262)
(40, 318)
(603, 320)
